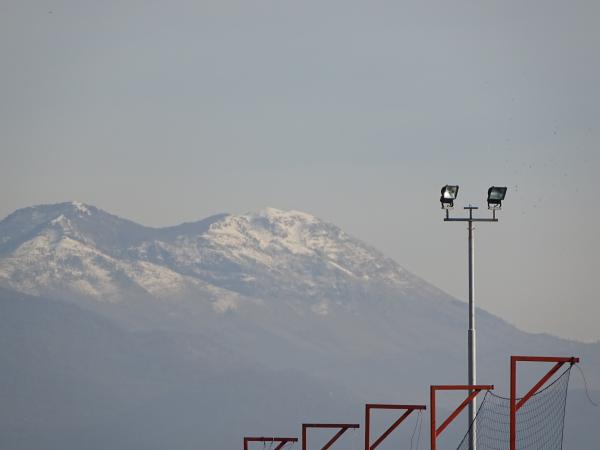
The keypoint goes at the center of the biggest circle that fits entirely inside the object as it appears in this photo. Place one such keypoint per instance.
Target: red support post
(281, 440)
(516, 405)
(408, 409)
(342, 428)
(474, 390)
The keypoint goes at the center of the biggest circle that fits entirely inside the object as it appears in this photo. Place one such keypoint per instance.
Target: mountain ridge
(202, 249)
(285, 290)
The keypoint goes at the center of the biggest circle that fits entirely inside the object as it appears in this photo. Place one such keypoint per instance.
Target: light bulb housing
(496, 195)
(449, 194)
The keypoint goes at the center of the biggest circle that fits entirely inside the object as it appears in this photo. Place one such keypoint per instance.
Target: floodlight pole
(471, 334)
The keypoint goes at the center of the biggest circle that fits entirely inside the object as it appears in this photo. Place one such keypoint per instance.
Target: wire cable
(420, 427)
(587, 393)
(414, 430)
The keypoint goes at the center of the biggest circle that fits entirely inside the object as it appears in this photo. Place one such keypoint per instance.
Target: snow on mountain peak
(269, 253)
(294, 244)
(271, 230)
(82, 208)
(289, 216)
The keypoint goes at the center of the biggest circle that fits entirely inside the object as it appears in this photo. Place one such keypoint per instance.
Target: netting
(540, 421)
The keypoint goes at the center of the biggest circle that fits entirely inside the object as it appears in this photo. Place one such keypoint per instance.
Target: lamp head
(449, 194)
(495, 196)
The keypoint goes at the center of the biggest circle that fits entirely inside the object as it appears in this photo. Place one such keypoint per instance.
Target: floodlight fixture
(495, 196)
(449, 194)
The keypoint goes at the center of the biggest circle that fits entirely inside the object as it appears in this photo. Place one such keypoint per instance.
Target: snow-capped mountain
(278, 280)
(76, 250)
(73, 250)
(275, 279)
(269, 298)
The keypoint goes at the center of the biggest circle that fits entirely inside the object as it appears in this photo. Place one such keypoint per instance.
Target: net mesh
(540, 421)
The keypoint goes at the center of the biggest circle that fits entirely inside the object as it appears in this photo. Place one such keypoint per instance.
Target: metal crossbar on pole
(342, 428)
(475, 389)
(515, 403)
(408, 409)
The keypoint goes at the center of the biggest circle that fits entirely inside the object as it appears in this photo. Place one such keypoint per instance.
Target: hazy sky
(358, 112)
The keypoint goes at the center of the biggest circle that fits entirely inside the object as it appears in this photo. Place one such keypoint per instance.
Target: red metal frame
(369, 406)
(516, 405)
(474, 390)
(343, 427)
(282, 441)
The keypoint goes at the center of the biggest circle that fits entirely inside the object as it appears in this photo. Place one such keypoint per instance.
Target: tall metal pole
(472, 345)
(472, 351)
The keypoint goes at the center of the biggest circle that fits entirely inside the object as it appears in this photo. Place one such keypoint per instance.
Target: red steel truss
(474, 390)
(281, 441)
(516, 404)
(342, 428)
(369, 406)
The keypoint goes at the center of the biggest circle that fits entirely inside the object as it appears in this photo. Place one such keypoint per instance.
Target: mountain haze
(233, 303)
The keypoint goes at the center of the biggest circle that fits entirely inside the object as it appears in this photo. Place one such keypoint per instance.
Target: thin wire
(538, 393)
(586, 386)
(420, 426)
(413, 431)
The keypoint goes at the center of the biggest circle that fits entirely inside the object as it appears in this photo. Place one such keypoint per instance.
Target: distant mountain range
(77, 250)
(258, 320)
